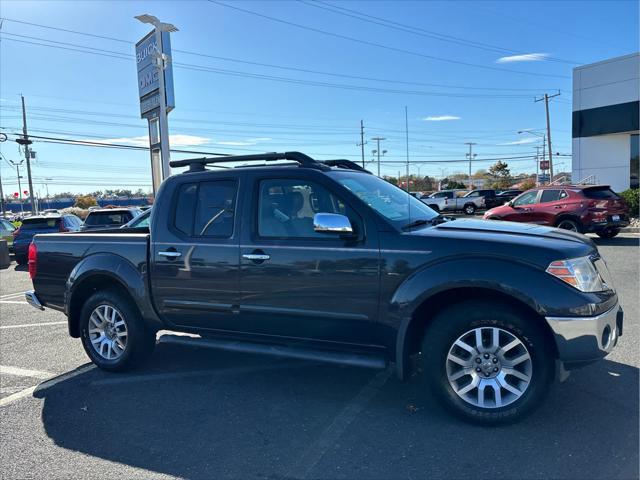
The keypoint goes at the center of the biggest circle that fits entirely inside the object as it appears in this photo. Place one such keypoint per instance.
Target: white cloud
(177, 140)
(440, 118)
(524, 141)
(526, 57)
(243, 143)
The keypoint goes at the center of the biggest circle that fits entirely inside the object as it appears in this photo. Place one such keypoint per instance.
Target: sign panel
(543, 178)
(148, 57)
(544, 164)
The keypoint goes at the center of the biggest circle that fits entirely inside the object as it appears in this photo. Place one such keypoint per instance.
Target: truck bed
(60, 253)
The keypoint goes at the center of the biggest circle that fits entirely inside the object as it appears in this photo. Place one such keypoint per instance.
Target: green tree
(501, 174)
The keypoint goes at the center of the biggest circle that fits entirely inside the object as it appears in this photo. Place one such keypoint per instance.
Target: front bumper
(581, 340)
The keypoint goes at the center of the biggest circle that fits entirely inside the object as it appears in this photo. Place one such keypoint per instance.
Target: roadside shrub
(528, 185)
(85, 201)
(632, 199)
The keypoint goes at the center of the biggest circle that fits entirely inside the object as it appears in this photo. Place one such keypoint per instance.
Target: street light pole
(378, 140)
(470, 155)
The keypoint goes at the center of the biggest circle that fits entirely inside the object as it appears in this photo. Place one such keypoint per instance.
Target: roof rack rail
(343, 163)
(198, 164)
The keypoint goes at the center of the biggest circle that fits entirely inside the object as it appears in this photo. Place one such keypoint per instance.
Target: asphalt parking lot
(197, 413)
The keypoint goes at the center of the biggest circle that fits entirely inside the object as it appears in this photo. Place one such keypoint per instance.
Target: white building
(606, 119)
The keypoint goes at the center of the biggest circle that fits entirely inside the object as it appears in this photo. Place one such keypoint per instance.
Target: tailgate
(58, 254)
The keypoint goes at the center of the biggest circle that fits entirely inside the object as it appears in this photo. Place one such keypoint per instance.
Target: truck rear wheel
(608, 232)
(486, 363)
(112, 332)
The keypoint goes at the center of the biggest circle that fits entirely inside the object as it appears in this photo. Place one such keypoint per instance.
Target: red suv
(581, 208)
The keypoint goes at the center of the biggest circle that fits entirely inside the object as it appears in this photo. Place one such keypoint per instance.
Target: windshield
(391, 202)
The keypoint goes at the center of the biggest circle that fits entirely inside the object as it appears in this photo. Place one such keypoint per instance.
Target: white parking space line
(12, 301)
(27, 392)
(24, 372)
(10, 295)
(25, 325)
(303, 467)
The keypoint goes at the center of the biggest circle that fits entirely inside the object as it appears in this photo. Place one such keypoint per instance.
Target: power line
(416, 30)
(379, 45)
(236, 73)
(269, 65)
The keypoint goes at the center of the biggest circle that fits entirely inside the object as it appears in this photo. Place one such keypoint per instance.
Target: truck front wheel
(487, 363)
(112, 332)
(469, 209)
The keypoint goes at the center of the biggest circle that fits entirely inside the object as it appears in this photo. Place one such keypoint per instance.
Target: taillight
(33, 260)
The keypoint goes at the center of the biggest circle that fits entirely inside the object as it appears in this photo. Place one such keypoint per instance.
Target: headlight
(579, 273)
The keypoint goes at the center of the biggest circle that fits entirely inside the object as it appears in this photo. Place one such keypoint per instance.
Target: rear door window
(549, 196)
(206, 209)
(216, 209)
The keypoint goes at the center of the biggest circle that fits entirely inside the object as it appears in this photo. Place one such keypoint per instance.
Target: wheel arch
(104, 271)
(412, 331)
(568, 216)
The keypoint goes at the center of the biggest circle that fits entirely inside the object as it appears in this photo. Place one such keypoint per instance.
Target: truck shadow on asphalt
(617, 241)
(205, 414)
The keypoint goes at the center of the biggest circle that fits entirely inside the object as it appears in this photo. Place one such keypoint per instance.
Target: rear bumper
(582, 340)
(33, 300)
(594, 225)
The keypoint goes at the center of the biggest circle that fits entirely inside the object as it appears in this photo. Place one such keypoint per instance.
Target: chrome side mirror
(331, 223)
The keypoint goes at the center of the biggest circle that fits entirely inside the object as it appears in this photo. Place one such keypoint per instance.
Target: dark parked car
(581, 208)
(41, 224)
(491, 199)
(109, 217)
(333, 263)
(508, 195)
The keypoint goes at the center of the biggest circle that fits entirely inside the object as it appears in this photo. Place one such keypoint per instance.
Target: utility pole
(362, 142)
(378, 140)
(546, 105)
(25, 142)
(470, 155)
(4, 210)
(537, 164)
(406, 127)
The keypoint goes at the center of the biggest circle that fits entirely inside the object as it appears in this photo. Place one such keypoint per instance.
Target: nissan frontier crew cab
(325, 261)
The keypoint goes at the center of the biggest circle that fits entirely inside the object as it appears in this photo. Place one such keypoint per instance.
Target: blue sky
(284, 87)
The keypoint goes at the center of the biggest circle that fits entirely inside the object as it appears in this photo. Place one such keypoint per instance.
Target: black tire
(608, 232)
(569, 224)
(140, 341)
(469, 209)
(452, 323)
(21, 259)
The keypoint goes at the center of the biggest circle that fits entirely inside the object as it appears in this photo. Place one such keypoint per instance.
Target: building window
(635, 160)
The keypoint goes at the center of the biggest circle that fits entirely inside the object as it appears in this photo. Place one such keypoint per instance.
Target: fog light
(606, 336)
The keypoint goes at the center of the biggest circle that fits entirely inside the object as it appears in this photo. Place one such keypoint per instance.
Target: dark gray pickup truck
(324, 261)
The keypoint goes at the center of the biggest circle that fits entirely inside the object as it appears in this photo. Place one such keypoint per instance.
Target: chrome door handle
(261, 257)
(170, 254)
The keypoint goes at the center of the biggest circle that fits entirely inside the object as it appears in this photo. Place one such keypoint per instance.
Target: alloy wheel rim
(568, 226)
(489, 367)
(108, 332)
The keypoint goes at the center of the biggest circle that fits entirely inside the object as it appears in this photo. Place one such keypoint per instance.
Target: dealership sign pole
(155, 89)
